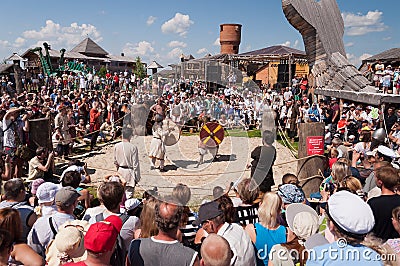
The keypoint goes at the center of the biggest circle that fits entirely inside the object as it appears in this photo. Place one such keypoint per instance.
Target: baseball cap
(302, 220)
(207, 211)
(131, 204)
(67, 196)
(291, 194)
(350, 214)
(46, 192)
(35, 185)
(101, 236)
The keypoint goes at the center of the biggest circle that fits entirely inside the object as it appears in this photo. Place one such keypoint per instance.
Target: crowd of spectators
(56, 224)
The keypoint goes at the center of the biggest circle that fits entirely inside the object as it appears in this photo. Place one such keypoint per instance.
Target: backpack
(119, 255)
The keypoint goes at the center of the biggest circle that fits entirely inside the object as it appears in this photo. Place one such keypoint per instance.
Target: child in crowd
(333, 156)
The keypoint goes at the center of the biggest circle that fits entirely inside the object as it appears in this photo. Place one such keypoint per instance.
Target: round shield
(173, 132)
(212, 134)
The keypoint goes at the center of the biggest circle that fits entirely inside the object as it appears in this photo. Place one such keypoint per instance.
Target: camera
(330, 187)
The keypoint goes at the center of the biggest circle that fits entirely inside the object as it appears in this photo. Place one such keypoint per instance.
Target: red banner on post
(315, 145)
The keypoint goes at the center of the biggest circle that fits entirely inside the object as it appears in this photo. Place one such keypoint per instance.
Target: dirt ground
(181, 161)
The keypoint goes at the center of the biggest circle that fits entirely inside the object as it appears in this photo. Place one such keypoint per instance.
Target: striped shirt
(189, 231)
(247, 214)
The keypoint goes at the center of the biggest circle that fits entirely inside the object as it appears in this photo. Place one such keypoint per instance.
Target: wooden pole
(310, 135)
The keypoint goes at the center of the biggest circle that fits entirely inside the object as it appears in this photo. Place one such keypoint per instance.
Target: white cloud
(4, 43)
(247, 48)
(365, 56)
(57, 35)
(179, 24)
(141, 49)
(296, 44)
(287, 43)
(387, 38)
(216, 42)
(19, 42)
(175, 54)
(176, 44)
(349, 44)
(359, 24)
(150, 20)
(202, 51)
(356, 61)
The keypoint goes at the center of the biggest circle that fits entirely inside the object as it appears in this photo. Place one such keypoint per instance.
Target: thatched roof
(274, 50)
(5, 68)
(88, 46)
(391, 54)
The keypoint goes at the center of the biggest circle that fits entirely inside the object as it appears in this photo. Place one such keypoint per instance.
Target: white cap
(386, 151)
(46, 192)
(350, 213)
(131, 204)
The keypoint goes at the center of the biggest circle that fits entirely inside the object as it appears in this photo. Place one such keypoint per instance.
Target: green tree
(140, 70)
(102, 72)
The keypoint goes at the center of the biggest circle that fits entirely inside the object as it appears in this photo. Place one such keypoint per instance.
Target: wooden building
(87, 52)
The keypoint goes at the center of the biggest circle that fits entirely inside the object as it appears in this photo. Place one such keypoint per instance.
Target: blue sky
(162, 30)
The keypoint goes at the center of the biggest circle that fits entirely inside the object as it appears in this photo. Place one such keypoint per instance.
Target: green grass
(280, 139)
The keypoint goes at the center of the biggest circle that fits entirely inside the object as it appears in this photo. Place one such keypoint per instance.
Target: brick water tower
(229, 38)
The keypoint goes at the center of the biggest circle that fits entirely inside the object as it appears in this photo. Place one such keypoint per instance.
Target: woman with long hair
(148, 226)
(21, 253)
(267, 232)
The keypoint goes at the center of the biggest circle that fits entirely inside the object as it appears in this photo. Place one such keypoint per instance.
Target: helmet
(379, 135)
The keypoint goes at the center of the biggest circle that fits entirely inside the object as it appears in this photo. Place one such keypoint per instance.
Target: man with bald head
(164, 248)
(215, 251)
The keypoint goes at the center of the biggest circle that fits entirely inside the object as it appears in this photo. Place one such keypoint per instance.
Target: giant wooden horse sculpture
(322, 27)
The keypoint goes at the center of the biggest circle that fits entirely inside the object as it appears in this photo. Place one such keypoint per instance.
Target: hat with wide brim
(302, 220)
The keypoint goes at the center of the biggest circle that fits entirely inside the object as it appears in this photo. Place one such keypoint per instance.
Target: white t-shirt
(9, 135)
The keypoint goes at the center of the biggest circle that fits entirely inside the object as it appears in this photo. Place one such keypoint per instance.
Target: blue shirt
(343, 254)
(266, 239)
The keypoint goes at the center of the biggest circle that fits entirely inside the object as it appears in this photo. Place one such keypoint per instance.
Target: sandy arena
(182, 159)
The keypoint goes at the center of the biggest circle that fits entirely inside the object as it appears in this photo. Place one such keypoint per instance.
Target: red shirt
(94, 119)
(80, 263)
(340, 124)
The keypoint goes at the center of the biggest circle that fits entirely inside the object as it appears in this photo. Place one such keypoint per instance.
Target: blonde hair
(352, 183)
(269, 210)
(339, 171)
(148, 219)
(333, 153)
